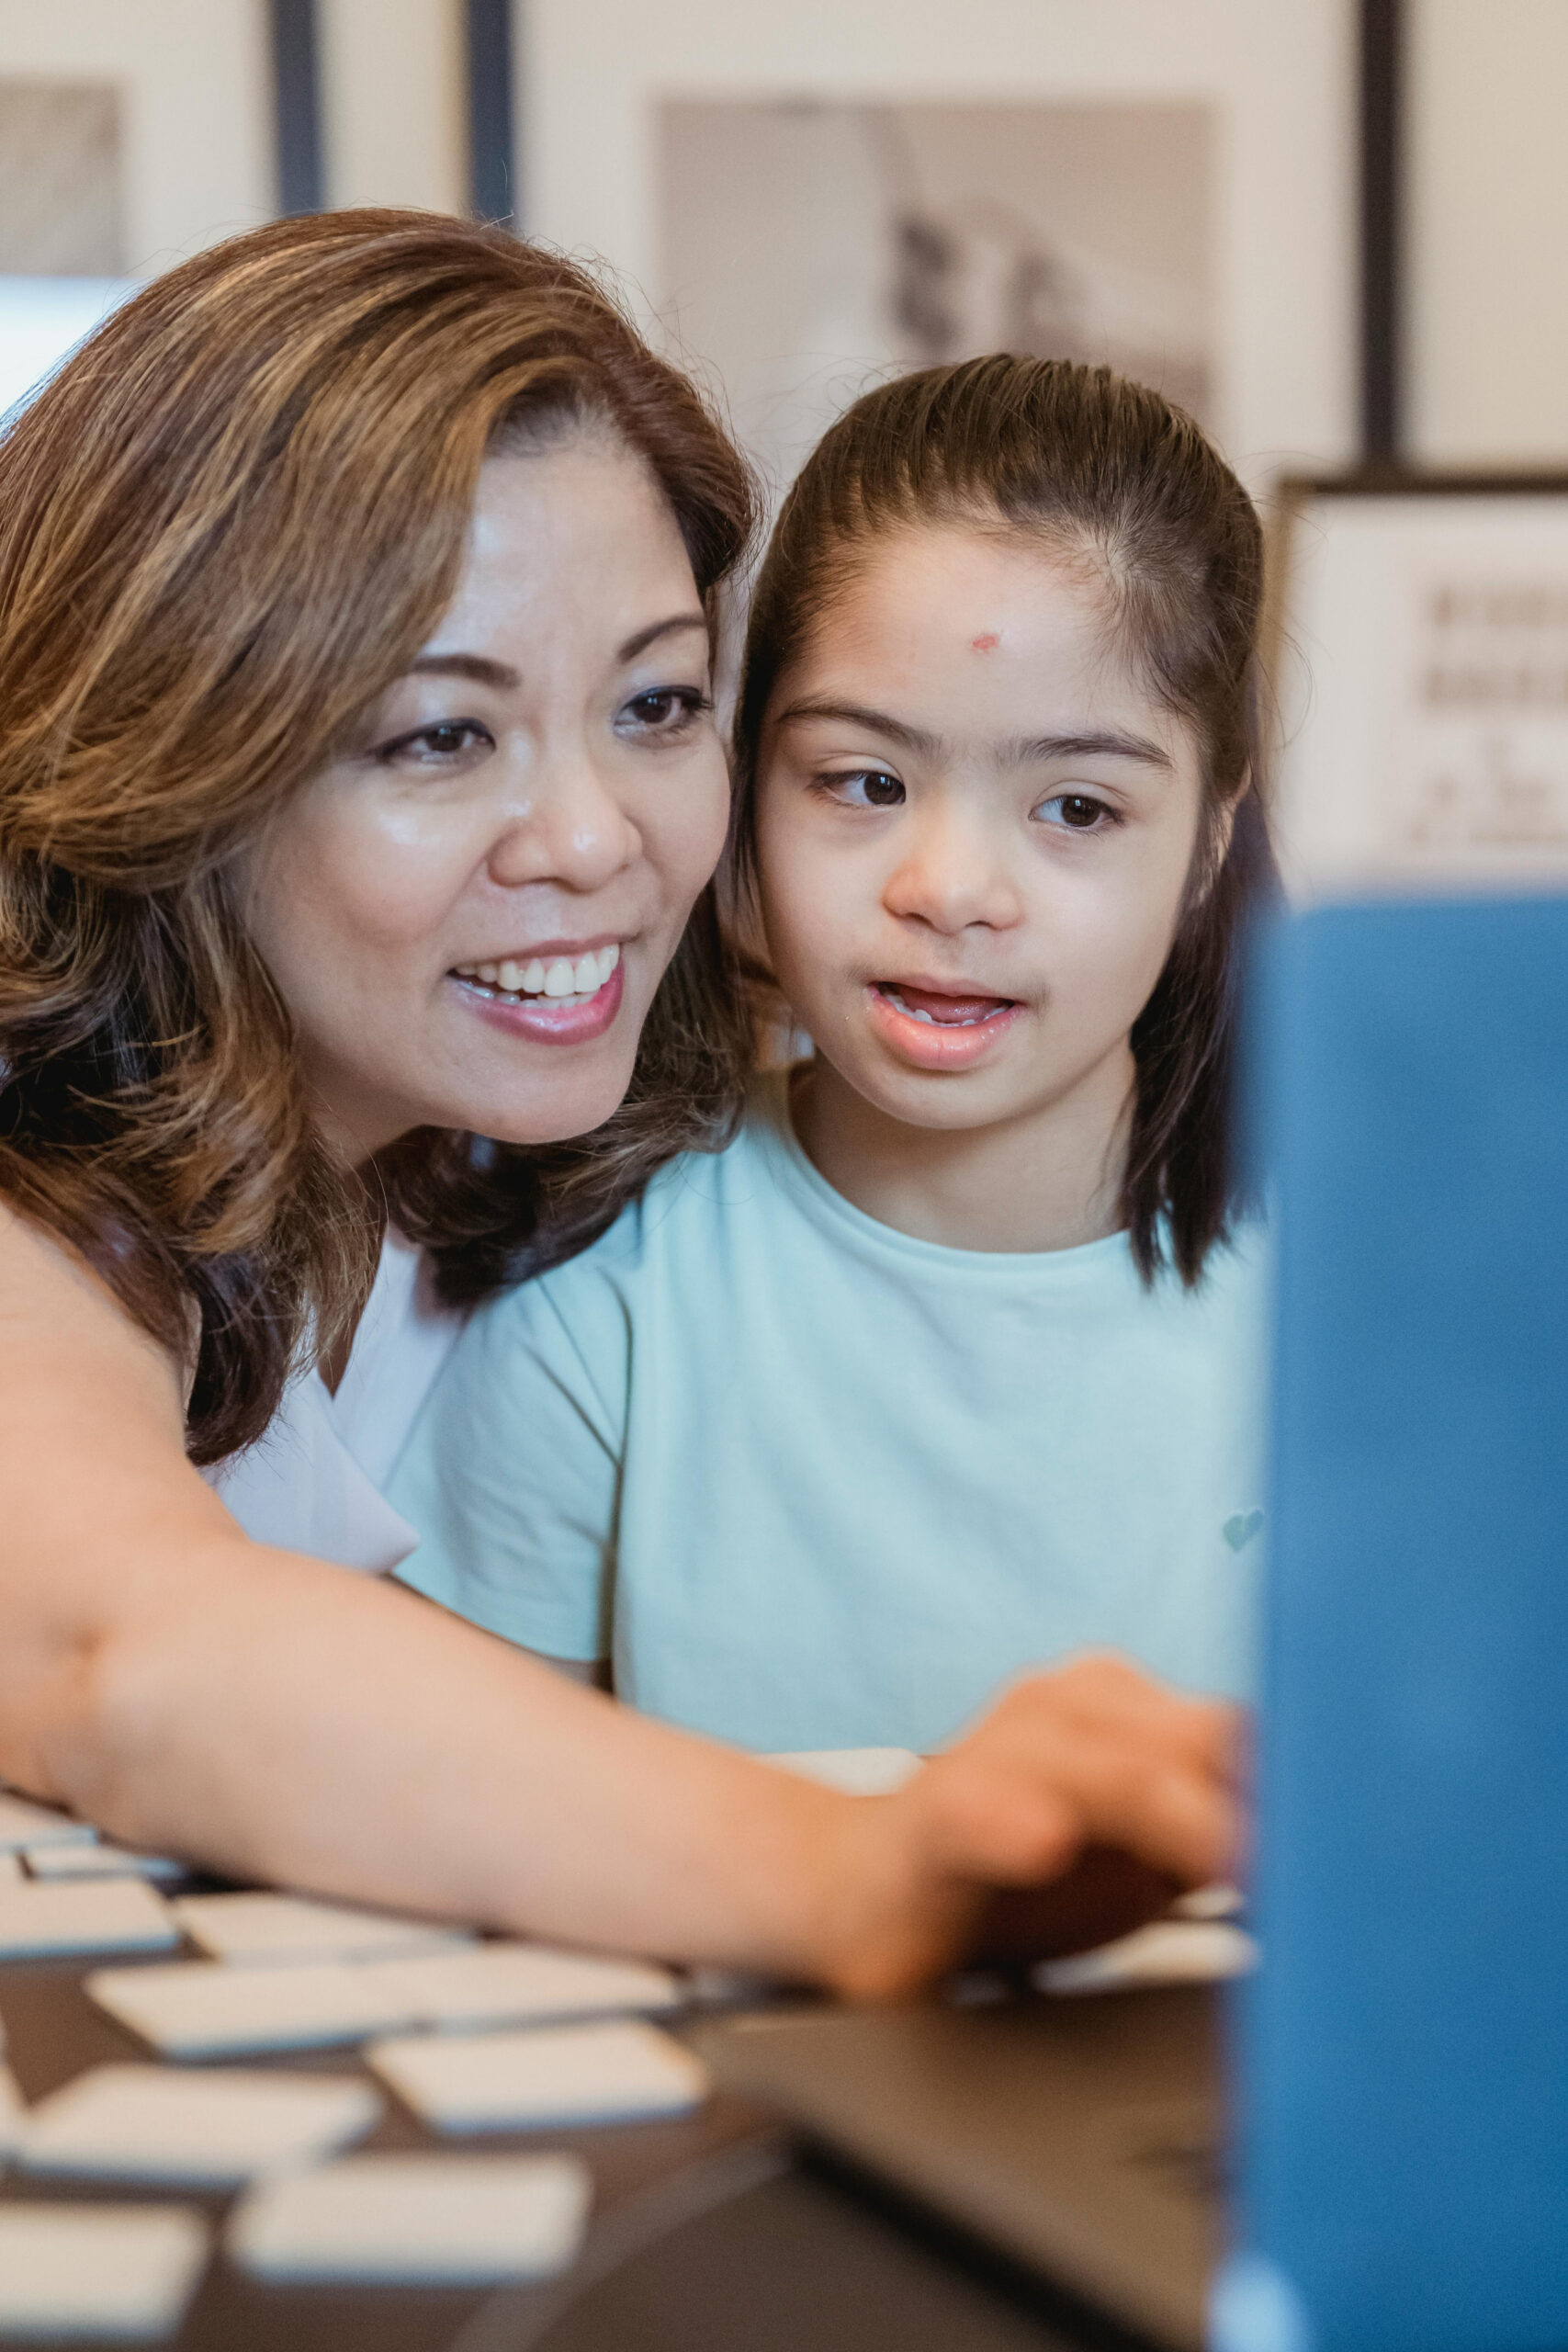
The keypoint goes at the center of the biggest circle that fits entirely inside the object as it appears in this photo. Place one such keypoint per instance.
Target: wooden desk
(708, 2236)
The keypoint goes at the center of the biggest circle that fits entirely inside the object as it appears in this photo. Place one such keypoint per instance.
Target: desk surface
(709, 2236)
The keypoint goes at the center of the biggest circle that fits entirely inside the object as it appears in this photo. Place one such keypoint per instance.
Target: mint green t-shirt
(810, 1483)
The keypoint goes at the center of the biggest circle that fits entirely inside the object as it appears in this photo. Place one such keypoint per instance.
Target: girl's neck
(1049, 1179)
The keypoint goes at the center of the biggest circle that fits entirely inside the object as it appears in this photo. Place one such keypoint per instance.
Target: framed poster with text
(1419, 664)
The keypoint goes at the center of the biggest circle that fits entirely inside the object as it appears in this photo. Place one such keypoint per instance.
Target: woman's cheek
(403, 874)
(703, 835)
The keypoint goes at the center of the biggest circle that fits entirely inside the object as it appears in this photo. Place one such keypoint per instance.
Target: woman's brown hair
(226, 527)
(1112, 478)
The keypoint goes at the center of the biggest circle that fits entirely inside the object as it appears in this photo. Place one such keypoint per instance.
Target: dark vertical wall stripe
(492, 160)
(1383, 174)
(297, 101)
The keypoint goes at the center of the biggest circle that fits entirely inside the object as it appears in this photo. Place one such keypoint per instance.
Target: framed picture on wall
(1420, 671)
(803, 201)
(910, 234)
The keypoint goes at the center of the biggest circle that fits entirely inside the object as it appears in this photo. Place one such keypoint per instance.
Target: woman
(358, 775)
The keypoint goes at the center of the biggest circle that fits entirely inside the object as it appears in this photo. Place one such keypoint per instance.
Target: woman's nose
(569, 829)
(953, 873)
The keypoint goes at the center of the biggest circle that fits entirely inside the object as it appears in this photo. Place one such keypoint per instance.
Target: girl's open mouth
(942, 1012)
(938, 1028)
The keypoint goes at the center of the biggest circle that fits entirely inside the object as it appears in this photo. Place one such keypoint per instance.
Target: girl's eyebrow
(1081, 743)
(858, 714)
(1094, 742)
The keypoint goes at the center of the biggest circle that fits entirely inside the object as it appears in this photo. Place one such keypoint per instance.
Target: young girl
(950, 1364)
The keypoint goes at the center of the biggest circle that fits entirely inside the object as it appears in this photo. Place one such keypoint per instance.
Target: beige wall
(197, 121)
(392, 102)
(198, 124)
(1488, 243)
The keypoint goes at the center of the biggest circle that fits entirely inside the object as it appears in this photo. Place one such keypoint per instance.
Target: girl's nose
(570, 830)
(953, 873)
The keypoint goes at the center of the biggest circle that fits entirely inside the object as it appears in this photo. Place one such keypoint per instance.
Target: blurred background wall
(133, 131)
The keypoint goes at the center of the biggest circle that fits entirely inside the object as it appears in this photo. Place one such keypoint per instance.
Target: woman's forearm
(281, 1720)
(276, 1718)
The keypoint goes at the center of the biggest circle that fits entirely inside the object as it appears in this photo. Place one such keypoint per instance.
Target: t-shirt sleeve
(512, 1472)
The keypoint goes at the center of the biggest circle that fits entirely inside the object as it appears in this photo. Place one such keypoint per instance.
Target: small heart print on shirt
(1240, 1528)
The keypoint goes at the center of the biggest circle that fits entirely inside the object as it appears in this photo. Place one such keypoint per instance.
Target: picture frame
(1417, 658)
(1281, 86)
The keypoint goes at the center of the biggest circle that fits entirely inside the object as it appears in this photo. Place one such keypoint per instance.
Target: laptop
(1401, 2124)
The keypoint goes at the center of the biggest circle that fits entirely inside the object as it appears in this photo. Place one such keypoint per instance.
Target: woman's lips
(935, 1030)
(553, 1020)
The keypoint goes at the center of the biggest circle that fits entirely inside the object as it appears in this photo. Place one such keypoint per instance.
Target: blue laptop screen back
(1406, 2044)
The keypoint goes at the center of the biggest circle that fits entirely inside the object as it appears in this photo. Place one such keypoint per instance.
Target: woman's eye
(1076, 812)
(441, 745)
(667, 710)
(865, 788)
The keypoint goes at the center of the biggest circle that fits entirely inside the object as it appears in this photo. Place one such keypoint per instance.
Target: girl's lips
(936, 1031)
(553, 1021)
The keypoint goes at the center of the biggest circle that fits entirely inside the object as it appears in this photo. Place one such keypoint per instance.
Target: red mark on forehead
(987, 642)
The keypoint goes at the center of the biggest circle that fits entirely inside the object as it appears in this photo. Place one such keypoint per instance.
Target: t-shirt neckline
(798, 1173)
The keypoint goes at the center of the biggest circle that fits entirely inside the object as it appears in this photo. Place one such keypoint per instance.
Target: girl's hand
(1001, 1841)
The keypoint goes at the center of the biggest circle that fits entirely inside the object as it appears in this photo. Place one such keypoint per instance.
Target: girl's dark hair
(226, 525)
(1110, 476)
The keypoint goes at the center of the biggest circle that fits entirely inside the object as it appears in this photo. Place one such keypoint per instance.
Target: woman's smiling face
(974, 826)
(468, 912)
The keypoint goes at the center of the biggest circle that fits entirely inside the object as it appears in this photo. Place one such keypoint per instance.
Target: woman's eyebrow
(655, 629)
(476, 667)
(480, 671)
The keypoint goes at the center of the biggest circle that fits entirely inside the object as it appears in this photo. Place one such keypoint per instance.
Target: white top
(313, 1482)
(811, 1483)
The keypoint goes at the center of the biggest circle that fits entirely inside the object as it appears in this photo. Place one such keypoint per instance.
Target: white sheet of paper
(93, 1915)
(11, 2113)
(201, 2008)
(112, 2270)
(208, 2130)
(96, 1862)
(1216, 1901)
(859, 1771)
(514, 1983)
(261, 1926)
(1170, 1952)
(23, 1823)
(443, 2220)
(553, 2075)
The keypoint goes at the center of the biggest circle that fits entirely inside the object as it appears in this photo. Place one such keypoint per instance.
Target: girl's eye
(668, 710)
(865, 788)
(442, 745)
(1076, 812)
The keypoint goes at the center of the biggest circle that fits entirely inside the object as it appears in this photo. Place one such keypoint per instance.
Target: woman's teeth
(563, 975)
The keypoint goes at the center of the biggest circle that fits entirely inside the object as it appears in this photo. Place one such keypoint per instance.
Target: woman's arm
(279, 1719)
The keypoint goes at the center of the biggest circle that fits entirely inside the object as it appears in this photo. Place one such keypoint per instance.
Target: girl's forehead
(987, 624)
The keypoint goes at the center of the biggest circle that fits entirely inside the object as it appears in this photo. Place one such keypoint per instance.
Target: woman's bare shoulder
(54, 1310)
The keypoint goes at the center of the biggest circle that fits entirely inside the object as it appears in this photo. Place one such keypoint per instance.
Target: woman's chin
(576, 1103)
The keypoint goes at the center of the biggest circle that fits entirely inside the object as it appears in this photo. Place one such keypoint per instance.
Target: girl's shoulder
(697, 1203)
(1244, 1257)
